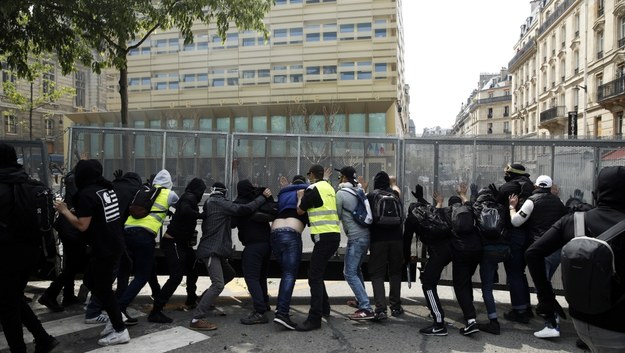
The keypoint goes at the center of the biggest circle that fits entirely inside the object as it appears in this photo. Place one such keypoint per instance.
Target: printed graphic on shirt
(110, 204)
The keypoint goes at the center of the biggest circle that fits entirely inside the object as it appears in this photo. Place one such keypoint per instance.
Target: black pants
(255, 263)
(180, 262)
(323, 250)
(99, 280)
(439, 256)
(464, 266)
(15, 266)
(74, 261)
(386, 257)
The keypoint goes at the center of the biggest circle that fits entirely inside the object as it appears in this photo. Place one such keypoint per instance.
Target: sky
(447, 47)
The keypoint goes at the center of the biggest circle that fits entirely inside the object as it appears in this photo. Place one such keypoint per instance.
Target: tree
(46, 90)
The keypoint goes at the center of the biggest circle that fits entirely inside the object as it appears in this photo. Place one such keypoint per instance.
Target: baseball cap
(315, 169)
(544, 181)
(349, 172)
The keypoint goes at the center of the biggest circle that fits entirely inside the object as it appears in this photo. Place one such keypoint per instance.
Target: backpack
(527, 187)
(490, 221)
(432, 226)
(362, 213)
(34, 205)
(462, 219)
(386, 208)
(588, 272)
(142, 203)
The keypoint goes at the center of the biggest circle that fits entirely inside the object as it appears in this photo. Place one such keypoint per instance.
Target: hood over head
(381, 181)
(133, 176)
(197, 187)
(245, 189)
(163, 178)
(611, 188)
(8, 156)
(485, 194)
(89, 171)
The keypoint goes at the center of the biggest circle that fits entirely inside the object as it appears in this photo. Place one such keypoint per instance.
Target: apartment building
(568, 73)
(329, 67)
(487, 110)
(49, 119)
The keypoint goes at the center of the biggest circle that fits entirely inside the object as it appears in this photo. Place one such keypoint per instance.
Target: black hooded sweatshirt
(381, 181)
(10, 230)
(250, 231)
(609, 211)
(184, 221)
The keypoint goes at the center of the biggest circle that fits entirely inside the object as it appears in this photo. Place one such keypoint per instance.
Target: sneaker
(100, 319)
(202, 325)
(50, 303)
(108, 329)
(159, 318)
(47, 346)
(254, 318)
(308, 326)
(515, 315)
(285, 321)
(70, 300)
(380, 315)
(129, 320)
(397, 311)
(353, 303)
(491, 327)
(469, 329)
(548, 332)
(191, 301)
(362, 314)
(216, 311)
(434, 330)
(115, 338)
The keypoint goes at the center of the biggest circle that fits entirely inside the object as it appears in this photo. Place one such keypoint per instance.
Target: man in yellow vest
(140, 236)
(319, 200)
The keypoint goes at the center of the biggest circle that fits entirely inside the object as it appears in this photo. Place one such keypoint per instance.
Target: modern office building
(568, 73)
(487, 110)
(329, 67)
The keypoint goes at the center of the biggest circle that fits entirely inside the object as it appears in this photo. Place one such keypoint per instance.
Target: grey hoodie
(345, 203)
(163, 178)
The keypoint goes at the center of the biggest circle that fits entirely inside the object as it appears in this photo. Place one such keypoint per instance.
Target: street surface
(337, 334)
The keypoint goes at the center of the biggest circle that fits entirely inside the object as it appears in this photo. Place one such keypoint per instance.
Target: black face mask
(507, 177)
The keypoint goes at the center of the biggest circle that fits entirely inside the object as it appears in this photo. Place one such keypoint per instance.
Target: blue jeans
(354, 254)
(286, 244)
(140, 244)
(255, 263)
(515, 269)
(488, 273)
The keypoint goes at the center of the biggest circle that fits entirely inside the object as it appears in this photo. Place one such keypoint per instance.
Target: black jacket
(9, 228)
(548, 208)
(609, 211)
(519, 185)
(250, 231)
(184, 221)
(126, 187)
(381, 181)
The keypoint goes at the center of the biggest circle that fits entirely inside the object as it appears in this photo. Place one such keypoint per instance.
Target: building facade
(568, 73)
(329, 66)
(487, 110)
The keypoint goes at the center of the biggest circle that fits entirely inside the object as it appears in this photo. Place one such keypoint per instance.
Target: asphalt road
(337, 334)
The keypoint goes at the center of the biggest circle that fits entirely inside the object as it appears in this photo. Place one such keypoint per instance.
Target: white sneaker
(548, 332)
(108, 329)
(100, 319)
(115, 338)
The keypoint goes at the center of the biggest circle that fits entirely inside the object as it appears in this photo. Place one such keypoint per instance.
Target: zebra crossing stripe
(62, 327)
(157, 342)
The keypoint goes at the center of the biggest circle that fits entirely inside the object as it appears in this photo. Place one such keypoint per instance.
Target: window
(279, 36)
(296, 35)
(621, 30)
(10, 124)
(80, 84)
(49, 124)
(364, 70)
(329, 32)
(347, 71)
(506, 127)
(346, 31)
(249, 42)
(7, 75)
(506, 111)
(380, 28)
(48, 80)
(232, 40)
(364, 30)
(166, 45)
(600, 45)
(490, 113)
(312, 33)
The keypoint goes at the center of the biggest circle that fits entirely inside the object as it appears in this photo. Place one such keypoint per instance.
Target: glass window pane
(377, 123)
(241, 124)
(357, 123)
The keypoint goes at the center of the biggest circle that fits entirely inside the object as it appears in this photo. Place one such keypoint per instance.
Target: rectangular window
(279, 79)
(296, 35)
(346, 31)
(364, 30)
(80, 86)
(279, 36)
(313, 37)
(312, 70)
(264, 73)
(48, 80)
(218, 82)
(249, 42)
(297, 78)
(10, 124)
(49, 127)
(380, 67)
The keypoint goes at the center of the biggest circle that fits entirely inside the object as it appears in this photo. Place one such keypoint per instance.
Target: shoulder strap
(578, 221)
(614, 231)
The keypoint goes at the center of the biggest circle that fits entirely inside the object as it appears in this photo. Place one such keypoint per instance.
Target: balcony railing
(621, 42)
(611, 89)
(552, 113)
(495, 99)
(600, 54)
(529, 45)
(559, 11)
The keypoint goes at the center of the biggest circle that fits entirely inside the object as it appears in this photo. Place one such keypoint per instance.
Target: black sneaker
(397, 311)
(254, 318)
(470, 329)
(285, 321)
(380, 315)
(491, 327)
(50, 303)
(308, 326)
(129, 320)
(70, 300)
(47, 346)
(434, 330)
(159, 318)
(191, 301)
(515, 315)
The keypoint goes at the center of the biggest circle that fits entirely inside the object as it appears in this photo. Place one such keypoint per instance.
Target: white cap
(544, 181)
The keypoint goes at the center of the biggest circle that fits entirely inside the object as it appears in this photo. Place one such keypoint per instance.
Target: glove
(118, 173)
(473, 189)
(150, 179)
(418, 191)
(578, 194)
(494, 189)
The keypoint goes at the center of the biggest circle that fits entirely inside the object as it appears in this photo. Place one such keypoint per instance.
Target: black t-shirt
(104, 233)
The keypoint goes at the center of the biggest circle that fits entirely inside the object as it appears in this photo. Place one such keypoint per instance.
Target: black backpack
(490, 221)
(386, 208)
(432, 226)
(34, 205)
(588, 273)
(142, 203)
(462, 219)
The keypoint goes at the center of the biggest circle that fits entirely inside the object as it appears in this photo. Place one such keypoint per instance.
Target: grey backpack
(588, 273)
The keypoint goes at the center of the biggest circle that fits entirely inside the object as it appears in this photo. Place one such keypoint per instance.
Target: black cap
(298, 179)
(316, 169)
(349, 172)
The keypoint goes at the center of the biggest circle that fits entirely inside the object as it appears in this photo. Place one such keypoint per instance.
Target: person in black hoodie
(177, 245)
(255, 237)
(603, 332)
(16, 253)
